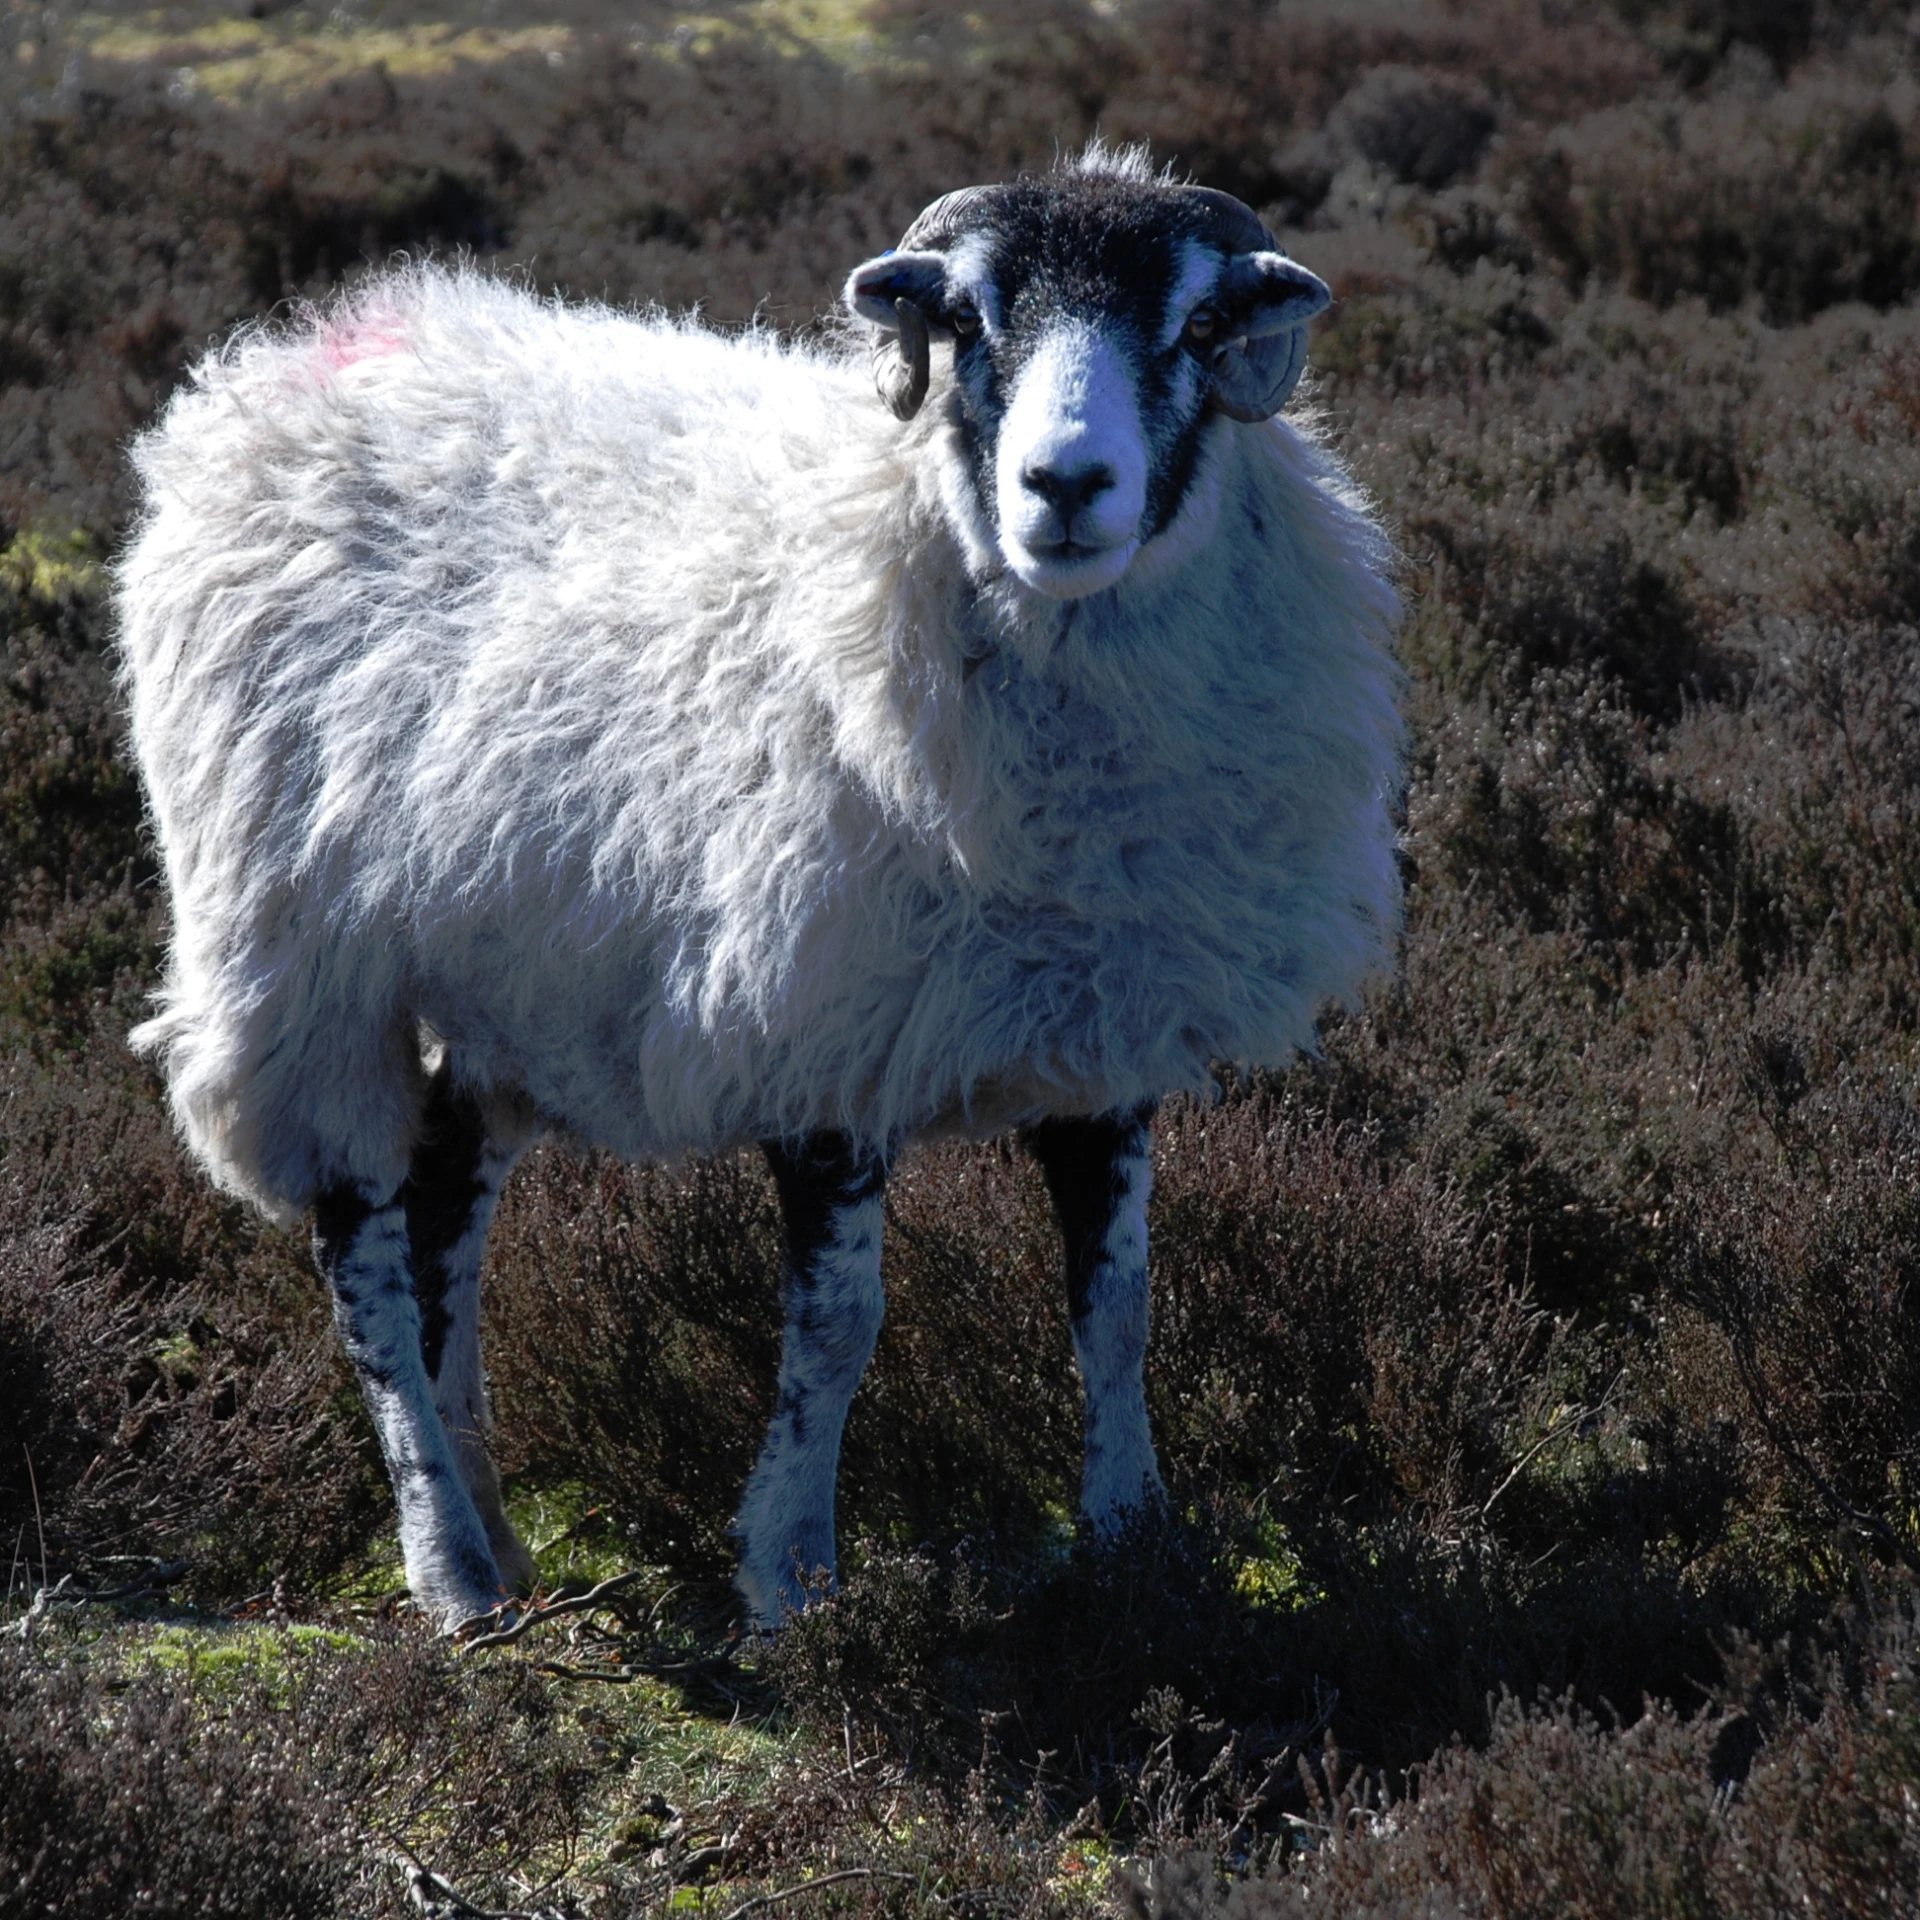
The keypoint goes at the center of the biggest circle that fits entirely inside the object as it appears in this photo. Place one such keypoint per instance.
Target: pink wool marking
(360, 339)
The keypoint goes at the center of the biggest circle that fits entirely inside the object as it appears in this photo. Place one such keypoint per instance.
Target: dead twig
(808, 1886)
(439, 1899)
(534, 1616)
(621, 1676)
(66, 1593)
(39, 1519)
(1573, 1418)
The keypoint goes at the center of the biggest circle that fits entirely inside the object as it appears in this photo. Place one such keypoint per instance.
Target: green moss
(217, 1659)
(1274, 1578)
(44, 572)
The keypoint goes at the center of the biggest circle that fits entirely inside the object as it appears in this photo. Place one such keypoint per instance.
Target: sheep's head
(1101, 322)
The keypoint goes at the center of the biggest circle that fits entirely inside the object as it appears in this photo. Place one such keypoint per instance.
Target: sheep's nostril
(1067, 492)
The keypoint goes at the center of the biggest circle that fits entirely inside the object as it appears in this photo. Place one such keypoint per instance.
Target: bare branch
(533, 1616)
(807, 1886)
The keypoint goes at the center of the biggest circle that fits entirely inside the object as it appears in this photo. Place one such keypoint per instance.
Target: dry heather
(1550, 1333)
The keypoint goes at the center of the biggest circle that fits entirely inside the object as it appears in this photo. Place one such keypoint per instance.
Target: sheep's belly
(999, 1026)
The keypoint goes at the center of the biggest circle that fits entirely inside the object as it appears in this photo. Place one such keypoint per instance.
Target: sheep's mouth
(1071, 569)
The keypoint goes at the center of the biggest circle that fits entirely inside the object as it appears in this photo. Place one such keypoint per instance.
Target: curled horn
(935, 225)
(1253, 373)
(901, 365)
(1232, 223)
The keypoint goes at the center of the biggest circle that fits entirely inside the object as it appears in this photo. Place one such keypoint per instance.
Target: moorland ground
(1537, 1372)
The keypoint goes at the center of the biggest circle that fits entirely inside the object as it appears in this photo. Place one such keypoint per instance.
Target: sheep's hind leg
(1099, 1171)
(360, 1246)
(832, 1201)
(459, 1166)
(404, 1275)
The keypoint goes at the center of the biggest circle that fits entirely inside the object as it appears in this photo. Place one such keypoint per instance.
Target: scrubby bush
(1794, 201)
(1667, 1814)
(168, 1385)
(312, 1779)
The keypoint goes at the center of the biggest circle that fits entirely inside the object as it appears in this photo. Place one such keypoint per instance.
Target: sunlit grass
(568, 1532)
(215, 1656)
(302, 51)
(235, 60)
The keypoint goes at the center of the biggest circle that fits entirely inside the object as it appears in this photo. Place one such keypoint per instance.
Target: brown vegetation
(1550, 1333)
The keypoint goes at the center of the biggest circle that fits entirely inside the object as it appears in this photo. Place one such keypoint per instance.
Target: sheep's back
(434, 629)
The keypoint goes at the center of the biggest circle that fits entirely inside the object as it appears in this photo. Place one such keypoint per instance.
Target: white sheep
(561, 718)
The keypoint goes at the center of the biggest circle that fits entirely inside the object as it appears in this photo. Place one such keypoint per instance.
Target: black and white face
(1100, 323)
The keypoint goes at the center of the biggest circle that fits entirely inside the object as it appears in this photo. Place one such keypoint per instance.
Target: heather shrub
(638, 1318)
(71, 864)
(1794, 198)
(309, 1782)
(1563, 1813)
(1074, 1660)
(1693, 38)
(1814, 1302)
(173, 1388)
(1345, 1337)
(150, 1805)
(1413, 126)
(635, 1328)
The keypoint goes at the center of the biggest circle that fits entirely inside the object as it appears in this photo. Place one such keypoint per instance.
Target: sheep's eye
(965, 322)
(1202, 324)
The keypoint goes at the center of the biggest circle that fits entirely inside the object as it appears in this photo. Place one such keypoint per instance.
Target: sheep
(562, 719)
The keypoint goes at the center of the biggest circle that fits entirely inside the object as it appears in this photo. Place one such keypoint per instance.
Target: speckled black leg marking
(831, 1201)
(360, 1245)
(459, 1165)
(1099, 1171)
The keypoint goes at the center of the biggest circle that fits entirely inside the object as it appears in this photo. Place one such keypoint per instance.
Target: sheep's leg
(459, 1167)
(360, 1246)
(404, 1274)
(1098, 1171)
(831, 1199)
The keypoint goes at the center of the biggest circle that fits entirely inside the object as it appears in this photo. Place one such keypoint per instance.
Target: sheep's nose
(1067, 491)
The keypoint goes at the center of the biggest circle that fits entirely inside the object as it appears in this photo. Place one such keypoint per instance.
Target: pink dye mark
(364, 337)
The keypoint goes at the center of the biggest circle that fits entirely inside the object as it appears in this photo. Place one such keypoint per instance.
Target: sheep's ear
(873, 287)
(1267, 301)
(896, 291)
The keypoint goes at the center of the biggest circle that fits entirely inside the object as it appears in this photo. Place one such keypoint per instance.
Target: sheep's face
(1101, 324)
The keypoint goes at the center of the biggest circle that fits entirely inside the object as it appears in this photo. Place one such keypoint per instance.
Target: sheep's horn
(1252, 376)
(1234, 224)
(1252, 383)
(934, 226)
(901, 367)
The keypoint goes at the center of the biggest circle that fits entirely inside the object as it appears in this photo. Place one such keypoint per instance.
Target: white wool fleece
(614, 698)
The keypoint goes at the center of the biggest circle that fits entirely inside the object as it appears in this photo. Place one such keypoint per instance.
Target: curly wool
(615, 700)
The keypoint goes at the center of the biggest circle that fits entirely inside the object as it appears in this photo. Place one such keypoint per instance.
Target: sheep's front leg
(831, 1200)
(459, 1166)
(1099, 1171)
